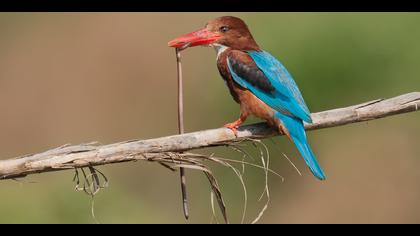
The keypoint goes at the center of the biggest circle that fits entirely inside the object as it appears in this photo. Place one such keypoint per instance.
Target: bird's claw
(232, 126)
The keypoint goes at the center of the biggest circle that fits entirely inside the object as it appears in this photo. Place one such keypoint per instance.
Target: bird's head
(225, 31)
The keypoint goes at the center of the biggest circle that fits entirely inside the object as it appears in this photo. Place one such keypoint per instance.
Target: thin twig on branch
(162, 149)
(181, 130)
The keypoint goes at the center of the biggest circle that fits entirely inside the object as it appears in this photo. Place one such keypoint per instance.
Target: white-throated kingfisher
(256, 80)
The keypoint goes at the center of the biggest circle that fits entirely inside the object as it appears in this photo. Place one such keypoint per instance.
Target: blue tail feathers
(297, 134)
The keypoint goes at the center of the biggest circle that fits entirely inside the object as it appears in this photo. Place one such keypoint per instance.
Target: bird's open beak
(196, 38)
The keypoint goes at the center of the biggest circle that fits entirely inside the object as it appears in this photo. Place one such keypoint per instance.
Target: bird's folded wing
(268, 79)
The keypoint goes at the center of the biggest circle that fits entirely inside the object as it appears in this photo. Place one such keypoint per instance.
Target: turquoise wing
(282, 94)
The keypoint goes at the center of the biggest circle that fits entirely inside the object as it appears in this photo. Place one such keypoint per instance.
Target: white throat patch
(219, 49)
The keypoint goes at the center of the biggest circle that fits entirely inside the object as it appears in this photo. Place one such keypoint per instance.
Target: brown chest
(234, 89)
(250, 104)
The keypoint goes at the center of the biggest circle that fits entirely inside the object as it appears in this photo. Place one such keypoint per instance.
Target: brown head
(227, 31)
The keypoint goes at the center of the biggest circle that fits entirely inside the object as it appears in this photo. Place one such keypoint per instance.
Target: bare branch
(160, 149)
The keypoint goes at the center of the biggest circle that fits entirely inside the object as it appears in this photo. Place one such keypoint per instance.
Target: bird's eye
(224, 29)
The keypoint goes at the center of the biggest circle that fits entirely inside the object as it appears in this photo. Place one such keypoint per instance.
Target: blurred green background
(109, 77)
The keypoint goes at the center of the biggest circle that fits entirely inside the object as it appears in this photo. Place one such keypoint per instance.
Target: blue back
(287, 98)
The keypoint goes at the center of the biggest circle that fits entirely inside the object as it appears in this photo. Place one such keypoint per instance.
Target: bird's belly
(251, 105)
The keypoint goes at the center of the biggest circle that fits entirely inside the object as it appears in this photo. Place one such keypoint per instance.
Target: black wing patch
(252, 75)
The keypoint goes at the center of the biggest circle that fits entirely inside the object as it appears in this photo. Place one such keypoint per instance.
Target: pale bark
(162, 149)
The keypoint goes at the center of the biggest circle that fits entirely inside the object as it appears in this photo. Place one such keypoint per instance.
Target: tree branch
(167, 149)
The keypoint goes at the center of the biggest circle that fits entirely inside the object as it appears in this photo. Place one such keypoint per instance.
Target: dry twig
(158, 149)
(170, 151)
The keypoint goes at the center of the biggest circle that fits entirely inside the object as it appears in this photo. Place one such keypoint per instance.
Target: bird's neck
(219, 48)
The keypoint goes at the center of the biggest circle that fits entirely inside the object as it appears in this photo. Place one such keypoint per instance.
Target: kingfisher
(257, 81)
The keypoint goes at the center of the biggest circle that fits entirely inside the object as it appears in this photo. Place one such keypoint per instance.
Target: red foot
(234, 126)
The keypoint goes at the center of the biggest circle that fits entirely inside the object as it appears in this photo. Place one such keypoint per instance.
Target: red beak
(199, 37)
